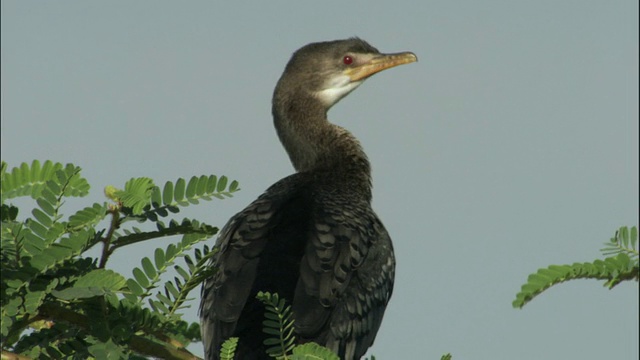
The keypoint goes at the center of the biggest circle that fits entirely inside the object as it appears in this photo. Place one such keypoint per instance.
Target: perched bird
(312, 237)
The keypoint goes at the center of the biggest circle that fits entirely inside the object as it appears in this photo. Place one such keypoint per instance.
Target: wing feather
(346, 278)
(346, 269)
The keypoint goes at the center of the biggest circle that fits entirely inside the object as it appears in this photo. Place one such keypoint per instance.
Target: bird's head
(330, 70)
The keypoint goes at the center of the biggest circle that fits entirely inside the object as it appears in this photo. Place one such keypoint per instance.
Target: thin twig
(115, 223)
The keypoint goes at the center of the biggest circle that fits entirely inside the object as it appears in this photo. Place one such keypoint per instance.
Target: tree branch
(139, 344)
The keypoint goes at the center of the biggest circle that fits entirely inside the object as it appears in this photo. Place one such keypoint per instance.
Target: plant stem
(115, 223)
(139, 344)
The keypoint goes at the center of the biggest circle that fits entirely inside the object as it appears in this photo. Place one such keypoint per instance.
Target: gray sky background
(511, 145)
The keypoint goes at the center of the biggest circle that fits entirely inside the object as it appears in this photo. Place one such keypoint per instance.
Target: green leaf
(624, 236)
(75, 184)
(32, 301)
(5, 325)
(103, 278)
(191, 187)
(160, 305)
(9, 212)
(37, 228)
(277, 325)
(211, 184)
(159, 258)
(25, 172)
(202, 185)
(49, 195)
(272, 331)
(165, 300)
(271, 324)
(171, 289)
(107, 351)
(35, 171)
(228, 349)
(49, 246)
(612, 269)
(182, 272)
(272, 316)
(171, 251)
(312, 351)
(179, 190)
(141, 278)
(48, 169)
(167, 193)
(136, 194)
(43, 218)
(148, 268)
(56, 253)
(156, 197)
(74, 293)
(234, 186)
(26, 180)
(47, 206)
(88, 216)
(222, 183)
(135, 288)
(32, 243)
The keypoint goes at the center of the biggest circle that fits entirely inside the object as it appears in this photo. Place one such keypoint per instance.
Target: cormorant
(312, 237)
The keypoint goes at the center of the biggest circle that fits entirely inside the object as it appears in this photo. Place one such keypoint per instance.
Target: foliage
(278, 324)
(311, 351)
(59, 302)
(228, 348)
(621, 265)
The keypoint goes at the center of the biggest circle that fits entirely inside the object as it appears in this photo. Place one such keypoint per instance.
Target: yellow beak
(379, 63)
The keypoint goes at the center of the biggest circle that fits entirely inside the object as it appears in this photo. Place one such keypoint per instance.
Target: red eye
(347, 60)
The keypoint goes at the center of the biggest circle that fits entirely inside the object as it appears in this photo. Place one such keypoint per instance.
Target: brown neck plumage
(314, 144)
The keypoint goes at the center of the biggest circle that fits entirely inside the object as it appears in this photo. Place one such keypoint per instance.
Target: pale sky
(511, 145)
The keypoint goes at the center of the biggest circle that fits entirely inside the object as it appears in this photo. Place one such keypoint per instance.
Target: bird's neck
(316, 145)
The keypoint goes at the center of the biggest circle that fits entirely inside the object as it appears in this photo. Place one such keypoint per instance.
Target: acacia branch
(169, 231)
(6, 355)
(115, 223)
(139, 344)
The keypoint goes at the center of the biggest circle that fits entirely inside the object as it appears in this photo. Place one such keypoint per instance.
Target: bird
(312, 237)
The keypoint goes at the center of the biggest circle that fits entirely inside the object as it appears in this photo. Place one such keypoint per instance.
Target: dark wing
(346, 277)
(226, 308)
(329, 255)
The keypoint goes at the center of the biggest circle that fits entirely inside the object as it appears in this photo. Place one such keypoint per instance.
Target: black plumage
(312, 237)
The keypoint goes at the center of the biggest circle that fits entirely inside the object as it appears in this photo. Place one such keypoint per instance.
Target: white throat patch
(337, 88)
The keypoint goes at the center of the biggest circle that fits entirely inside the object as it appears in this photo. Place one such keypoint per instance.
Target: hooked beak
(379, 63)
